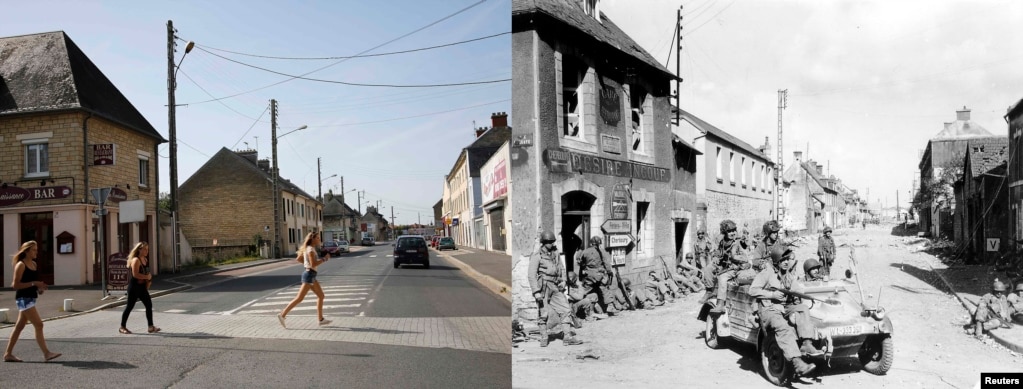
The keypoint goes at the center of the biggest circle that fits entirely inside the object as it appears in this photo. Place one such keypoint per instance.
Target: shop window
(37, 159)
(641, 224)
(143, 171)
(573, 72)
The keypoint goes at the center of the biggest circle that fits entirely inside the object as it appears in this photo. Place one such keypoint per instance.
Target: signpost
(100, 194)
(617, 226)
(618, 240)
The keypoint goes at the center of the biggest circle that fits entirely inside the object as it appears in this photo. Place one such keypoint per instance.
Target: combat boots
(802, 368)
(545, 338)
(571, 341)
(808, 349)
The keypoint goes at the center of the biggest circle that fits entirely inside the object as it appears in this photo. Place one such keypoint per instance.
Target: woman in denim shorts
(307, 255)
(27, 289)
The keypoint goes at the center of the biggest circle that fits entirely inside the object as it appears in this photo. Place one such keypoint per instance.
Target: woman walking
(308, 253)
(27, 289)
(138, 286)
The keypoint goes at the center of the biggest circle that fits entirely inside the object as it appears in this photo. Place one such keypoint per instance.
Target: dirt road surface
(663, 347)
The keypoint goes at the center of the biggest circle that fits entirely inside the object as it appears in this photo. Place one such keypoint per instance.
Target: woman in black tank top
(138, 286)
(27, 288)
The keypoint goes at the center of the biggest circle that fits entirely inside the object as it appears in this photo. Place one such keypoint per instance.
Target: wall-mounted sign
(524, 140)
(618, 240)
(50, 192)
(103, 154)
(610, 144)
(556, 162)
(117, 195)
(618, 256)
(617, 226)
(118, 274)
(992, 244)
(610, 105)
(12, 195)
(620, 202)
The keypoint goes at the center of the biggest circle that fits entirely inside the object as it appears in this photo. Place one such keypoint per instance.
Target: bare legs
(319, 300)
(28, 315)
(302, 292)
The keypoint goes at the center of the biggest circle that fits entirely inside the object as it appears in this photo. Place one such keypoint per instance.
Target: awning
(499, 203)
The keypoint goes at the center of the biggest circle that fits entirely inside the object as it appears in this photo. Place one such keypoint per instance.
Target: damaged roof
(986, 154)
(47, 72)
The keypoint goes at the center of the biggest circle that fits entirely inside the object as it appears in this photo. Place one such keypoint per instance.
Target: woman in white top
(308, 255)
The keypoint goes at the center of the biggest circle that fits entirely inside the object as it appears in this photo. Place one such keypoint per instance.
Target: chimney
(820, 169)
(499, 119)
(480, 131)
(963, 114)
(250, 154)
(264, 165)
(798, 155)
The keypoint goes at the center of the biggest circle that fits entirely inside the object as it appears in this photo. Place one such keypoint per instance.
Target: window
(572, 74)
(143, 171)
(731, 167)
(37, 159)
(718, 165)
(641, 211)
(753, 174)
(637, 103)
(742, 168)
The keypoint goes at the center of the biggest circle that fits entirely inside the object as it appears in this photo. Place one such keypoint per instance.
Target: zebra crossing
(339, 300)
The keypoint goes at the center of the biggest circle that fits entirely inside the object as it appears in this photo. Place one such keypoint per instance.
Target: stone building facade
(463, 192)
(339, 220)
(982, 230)
(66, 129)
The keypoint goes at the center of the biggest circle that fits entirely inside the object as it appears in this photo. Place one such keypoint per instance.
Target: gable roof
(244, 163)
(960, 129)
(709, 129)
(571, 13)
(482, 148)
(986, 154)
(333, 206)
(47, 72)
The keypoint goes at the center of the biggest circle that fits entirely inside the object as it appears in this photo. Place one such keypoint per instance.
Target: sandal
(153, 329)
(123, 330)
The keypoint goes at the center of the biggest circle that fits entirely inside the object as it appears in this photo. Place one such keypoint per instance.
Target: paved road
(408, 327)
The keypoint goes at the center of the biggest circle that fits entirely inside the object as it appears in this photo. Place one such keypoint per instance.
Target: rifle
(621, 285)
(667, 273)
(803, 295)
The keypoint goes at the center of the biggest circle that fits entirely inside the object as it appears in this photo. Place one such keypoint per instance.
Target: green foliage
(164, 202)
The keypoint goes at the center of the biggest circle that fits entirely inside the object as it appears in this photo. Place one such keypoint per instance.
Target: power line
(360, 53)
(356, 56)
(410, 117)
(711, 19)
(250, 127)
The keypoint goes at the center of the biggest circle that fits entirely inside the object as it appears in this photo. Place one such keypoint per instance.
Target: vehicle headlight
(878, 314)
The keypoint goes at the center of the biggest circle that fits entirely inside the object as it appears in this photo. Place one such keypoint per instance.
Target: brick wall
(227, 201)
(740, 209)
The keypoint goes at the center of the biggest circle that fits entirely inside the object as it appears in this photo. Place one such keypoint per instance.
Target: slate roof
(678, 139)
(47, 72)
(571, 13)
(721, 134)
(334, 207)
(986, 154)
(960, 129)
(247, 164)
(482, 148)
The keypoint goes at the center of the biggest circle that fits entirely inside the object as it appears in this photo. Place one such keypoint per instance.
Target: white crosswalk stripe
(341, 300)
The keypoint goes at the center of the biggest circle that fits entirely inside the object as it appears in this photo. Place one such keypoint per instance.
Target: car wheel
(777, 369)
(876, 354)
(396, 264)
(426, 264)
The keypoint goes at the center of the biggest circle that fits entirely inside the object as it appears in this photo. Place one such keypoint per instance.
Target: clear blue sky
(869, 82)
(400, 160)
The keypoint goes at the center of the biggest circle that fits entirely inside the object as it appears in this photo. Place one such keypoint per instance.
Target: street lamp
(321, 185)
(172, 84)
(276, 177)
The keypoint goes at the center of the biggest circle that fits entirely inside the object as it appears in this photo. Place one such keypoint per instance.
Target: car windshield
(330, 244)
(447, 240)
(343, 242)
(411, 243)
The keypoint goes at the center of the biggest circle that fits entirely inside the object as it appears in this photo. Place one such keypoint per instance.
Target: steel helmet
(547, 237)
(810, 264)
(999, 286)
(727, 226)
(779, 253)
(627, 282)
(701, 232)
(596, 239)
(1019, 287)
(827, 229)
(771, 226)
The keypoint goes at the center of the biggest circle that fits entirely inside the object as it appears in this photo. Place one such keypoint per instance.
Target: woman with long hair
(138, 286)
(309, 282)
(27, 288)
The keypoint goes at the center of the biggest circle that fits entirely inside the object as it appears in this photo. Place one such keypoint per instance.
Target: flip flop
(123, 331)
(54, 356)
(153, 329)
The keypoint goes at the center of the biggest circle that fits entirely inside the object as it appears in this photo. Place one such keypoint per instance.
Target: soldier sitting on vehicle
(729, 263)
(993, 310)
(1016, 303)
(812, 270)
(765, 289)
(796, 311)
(762, 254)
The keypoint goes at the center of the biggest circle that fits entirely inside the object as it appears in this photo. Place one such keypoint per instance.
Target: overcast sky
(869, 82)
(400, 160)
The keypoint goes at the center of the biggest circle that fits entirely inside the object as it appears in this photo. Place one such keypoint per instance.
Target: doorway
(497, 237)
(575, 224)
(680, 238)
(39, 227)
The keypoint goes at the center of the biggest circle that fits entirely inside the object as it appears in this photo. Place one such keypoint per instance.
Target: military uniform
(772, 312)
(1016, 306)
(728, 266)
(826, 251)
(596, 274)
(687, 275)
(702, 249)
(658, 289)
(993, 311)
(546, 280)
(762, 254)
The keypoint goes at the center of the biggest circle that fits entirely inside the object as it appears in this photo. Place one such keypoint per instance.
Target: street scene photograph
(256, 194)
(766, 194)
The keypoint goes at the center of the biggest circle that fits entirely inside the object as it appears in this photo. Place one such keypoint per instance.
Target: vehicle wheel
(427, 264)
(396, 264)
(710, 333)
(776, 368)
(876, 354)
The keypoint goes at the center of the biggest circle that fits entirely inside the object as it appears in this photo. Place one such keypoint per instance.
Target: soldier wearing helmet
(993, 310)
(687, 276)
(762, 254)
(812, 270)
(597, 275)
(826, 250)
(546, 277)
(1016, 303)
(702, 249)
(728, 264)
(770, 306)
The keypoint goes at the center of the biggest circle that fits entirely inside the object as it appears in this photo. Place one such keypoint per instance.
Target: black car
(411, 249)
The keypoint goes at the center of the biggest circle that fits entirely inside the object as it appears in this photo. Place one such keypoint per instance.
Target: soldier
(1016, 303)
(545, 280)
(797, 313)
(993, 310)
(826, 250)
(744, 239)
(772, 317)
(762, 254)
(702, 248)
(658, 289)
(687, 276)
(728, 264)
(582, 304)
(596, 273)
(812, 270)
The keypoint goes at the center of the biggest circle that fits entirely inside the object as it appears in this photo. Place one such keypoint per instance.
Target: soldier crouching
(993, 311)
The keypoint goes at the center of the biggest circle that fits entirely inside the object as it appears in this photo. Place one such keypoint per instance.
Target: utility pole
(275, 174)
(392, 215)
(783, 98)
(173, 133)
(359, 194)
(320, 180)
(678, 72)
(898, 214)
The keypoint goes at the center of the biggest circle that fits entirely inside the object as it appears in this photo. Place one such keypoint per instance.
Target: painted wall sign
(617, 226)
(524, 140)
(555, 159)
(558, 161)
(620, 202)
(620, 240)
(12, 195)
(103, 154)
(610, 105)
(610, 144)
(117, 195)
(50, 192)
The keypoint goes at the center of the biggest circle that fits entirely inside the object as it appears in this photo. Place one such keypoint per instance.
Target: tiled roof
(678, 139)
(960, 129)
(47, 72)
(986, 154)
(720, 134)
(483, 147)
(247, 164)
(571, 13)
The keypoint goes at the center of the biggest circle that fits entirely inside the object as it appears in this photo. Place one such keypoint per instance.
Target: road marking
(309, 308)
(175, 311)
(327, 294)
(243, 306)
(308, 300)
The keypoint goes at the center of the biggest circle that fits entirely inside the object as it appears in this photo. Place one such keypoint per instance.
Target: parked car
(368, 241)
(434, 240)
(411, 249)
(446, 242)
(342, 246)
(329, 247)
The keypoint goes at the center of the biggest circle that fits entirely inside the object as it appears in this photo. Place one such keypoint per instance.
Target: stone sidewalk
(492, 269)
(973, 282)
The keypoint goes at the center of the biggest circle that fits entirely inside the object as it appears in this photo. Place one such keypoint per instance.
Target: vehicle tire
(877, 353)
(710, 333)
(777, 369)
(396, 264)
(426, 264)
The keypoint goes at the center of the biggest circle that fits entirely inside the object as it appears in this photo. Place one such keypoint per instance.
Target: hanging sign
(610, 106)
(103, 154)
(620, 202)
(12, 195)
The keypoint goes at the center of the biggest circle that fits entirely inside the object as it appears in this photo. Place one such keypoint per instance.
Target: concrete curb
(971, 307)
(491, 283)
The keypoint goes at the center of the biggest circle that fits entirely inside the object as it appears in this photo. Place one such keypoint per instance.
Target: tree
(938, 192)
(164, 202)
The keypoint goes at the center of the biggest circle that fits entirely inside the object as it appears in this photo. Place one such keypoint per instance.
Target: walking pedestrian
(546, 281)
(138, 286)
(826, 251)
(27, 288)
(309, 282)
